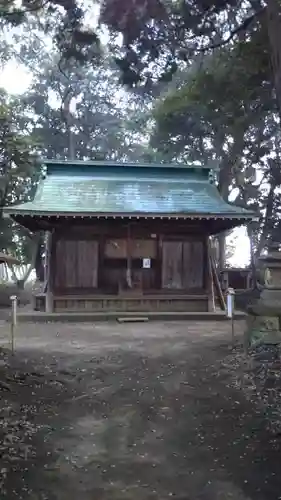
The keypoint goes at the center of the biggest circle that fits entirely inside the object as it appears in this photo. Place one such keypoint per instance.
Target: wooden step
(132, 319)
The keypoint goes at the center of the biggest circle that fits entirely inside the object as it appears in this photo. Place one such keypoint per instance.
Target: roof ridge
(107, 163)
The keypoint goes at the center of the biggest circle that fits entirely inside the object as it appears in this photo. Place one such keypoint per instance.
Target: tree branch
(25, 11)
(234, 32)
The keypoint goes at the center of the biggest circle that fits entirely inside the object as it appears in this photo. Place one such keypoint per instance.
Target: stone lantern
(264, 323)
(271, 293)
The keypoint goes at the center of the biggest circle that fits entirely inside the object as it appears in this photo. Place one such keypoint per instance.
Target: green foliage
(18, 174)
(158, 37)
(213, 116)
(227, 95)
(84, 112)
(223, 111)
(61, 20)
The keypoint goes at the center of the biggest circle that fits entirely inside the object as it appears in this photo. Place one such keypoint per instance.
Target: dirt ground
(133, 411)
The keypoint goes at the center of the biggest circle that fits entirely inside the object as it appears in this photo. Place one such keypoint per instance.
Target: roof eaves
(43, 213)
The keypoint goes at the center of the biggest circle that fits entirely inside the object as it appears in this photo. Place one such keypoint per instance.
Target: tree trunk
(224, 183)
(226, 173)
(274, 35)
(67, 117)
(267, 226)
(21, 281)
(253, 263)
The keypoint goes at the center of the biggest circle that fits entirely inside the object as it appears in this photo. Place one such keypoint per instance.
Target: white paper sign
(146, 263)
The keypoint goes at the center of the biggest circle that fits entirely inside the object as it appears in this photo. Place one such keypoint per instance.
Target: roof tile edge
(107, 163)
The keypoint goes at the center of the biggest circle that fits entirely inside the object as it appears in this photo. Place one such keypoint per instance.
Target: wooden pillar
(209, 277)
(129, 258)
(159, 262)
(48, 272)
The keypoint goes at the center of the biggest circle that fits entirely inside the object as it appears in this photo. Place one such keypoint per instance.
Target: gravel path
(134, 411)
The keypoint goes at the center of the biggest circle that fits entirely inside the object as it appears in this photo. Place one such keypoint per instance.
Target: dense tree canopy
(73, 37)
(158, 37)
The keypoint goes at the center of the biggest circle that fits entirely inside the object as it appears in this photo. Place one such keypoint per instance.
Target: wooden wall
(76, 264)
(183, 265)
(95, 259)
(142, 303)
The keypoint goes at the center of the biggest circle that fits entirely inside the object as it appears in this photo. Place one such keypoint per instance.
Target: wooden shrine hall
(127, 237)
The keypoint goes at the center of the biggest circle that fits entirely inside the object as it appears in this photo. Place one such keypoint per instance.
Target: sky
(15, 78)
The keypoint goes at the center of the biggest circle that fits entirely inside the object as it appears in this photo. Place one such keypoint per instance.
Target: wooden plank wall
(182, 265)
(172, 261)
(87, 264)
(76, 264)
(193, 265)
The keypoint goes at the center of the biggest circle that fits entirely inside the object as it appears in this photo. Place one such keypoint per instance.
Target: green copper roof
(92, 188)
